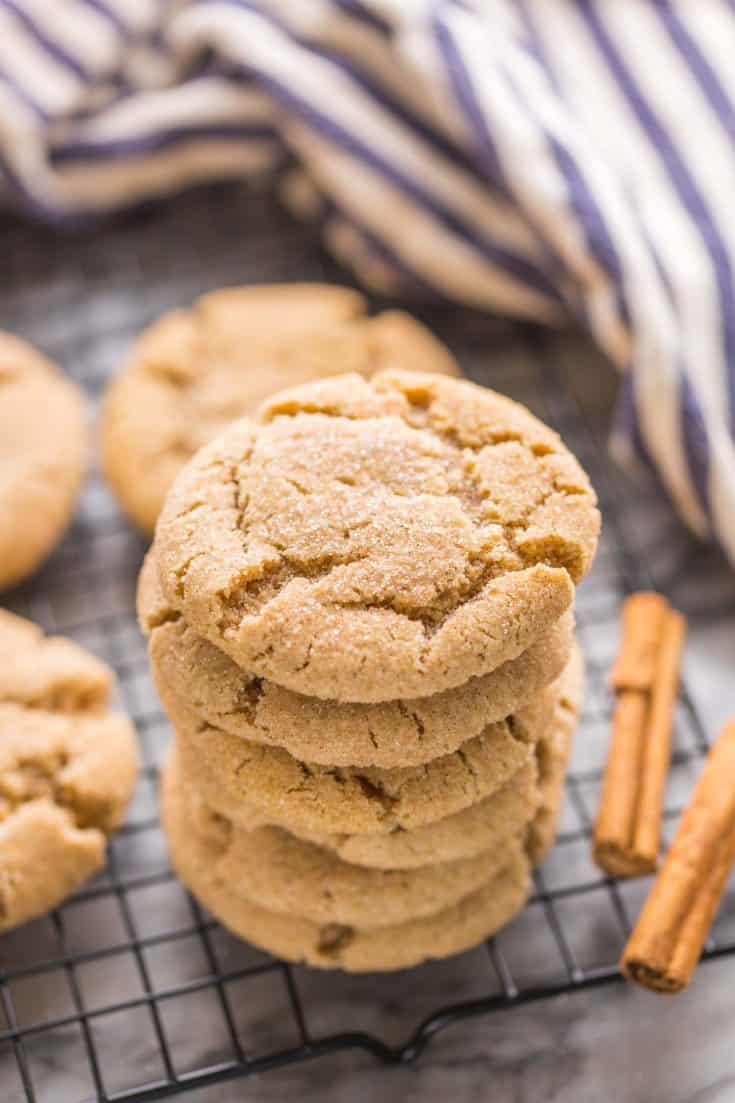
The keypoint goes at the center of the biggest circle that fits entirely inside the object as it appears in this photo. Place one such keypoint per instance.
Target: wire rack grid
(97, 999)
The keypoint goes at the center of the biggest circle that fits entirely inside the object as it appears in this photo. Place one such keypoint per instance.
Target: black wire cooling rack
(130, 990)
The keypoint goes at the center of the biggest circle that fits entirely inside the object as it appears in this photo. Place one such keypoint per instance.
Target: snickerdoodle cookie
(485, 827)
(285, 874)
(195, 370)
(309, 799)
(67, 769)
(43, 456)
(371, 540)
(199, 847)
(389, 733)
(527, 804)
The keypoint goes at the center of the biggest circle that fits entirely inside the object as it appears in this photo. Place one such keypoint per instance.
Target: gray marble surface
(134, 931)
(614, 1045)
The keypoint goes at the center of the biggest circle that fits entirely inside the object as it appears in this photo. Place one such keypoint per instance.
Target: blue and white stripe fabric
(551, 159)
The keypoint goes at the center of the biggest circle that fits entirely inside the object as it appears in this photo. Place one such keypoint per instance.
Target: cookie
(483, 827)
(311, 800)
(195, 370)
(387, 734)
(521, 803)
(195, 854)
(43, 456)
(374, 541)
(48, 672)
(68, 767)
(552, 758)
(282, 873)
(367, 541)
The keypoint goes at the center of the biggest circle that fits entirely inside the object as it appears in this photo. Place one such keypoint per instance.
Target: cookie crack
(512, 551)
(412, 419)
(413, 718)
(33, 779)
(307, 659)
(516, 729)
(61, 697)
(376, 795)
(420, 728)
(249, 696)
(255, 595)
(253, 598)
(432, 619)
(333, 940)
(246, 761)
(298, 487)
(467, 763)
(168, 615)
(370, 788)
(182, 570)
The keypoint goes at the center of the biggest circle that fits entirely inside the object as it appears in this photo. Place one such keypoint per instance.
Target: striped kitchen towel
(551, 159)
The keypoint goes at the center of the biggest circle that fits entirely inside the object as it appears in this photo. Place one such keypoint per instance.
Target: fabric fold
(551, 160)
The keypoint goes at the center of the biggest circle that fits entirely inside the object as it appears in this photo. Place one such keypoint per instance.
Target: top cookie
(372, 540)
(194, 371)
(43, 454)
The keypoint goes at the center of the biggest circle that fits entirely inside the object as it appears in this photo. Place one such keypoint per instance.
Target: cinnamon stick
(615, 825)
(645, 676)
(643, 617)
(667, 941)
(657, 749)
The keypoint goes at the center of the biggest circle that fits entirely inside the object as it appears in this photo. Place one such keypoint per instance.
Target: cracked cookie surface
(194, 371)
(483, 827)
(367, 541)
(311, 800)
(68, 767)
(282, 873)
(195, 854)
(528, 802)
(386, 734)
(49, 672)
(43, 456)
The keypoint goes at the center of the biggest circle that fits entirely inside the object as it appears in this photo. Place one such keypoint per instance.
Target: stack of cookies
(359, 611)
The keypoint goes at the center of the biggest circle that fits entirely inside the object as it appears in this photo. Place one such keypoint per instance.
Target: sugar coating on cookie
(68, 767)
(194, 371)
(529, 800)
(407, 732)
(196, 849)
(291, 876)
(43, 456)
(489, 825)
(309, 799)
(371, 540)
